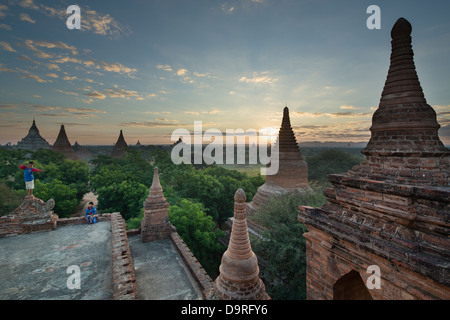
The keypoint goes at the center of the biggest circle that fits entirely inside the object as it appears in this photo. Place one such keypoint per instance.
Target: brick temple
(63, 145)
(33, 140)
(120, 147)
(392, 210)
(292, 175)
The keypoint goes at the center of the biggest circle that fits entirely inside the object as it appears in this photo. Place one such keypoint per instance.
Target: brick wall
(200, 275)
(124, 278)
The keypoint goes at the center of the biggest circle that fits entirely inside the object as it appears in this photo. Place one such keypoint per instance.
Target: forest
(200, 197)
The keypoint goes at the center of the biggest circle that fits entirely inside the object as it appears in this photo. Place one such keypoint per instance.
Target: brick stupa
(239, 271)
(391, 211)
(120, 147)
(33, 140)
(63, 145)
(292, 175)
(155, 225)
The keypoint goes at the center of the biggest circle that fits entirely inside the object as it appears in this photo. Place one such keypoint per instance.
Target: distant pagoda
(292, 175)
(120, 147)
(63, 145)
(33, 141)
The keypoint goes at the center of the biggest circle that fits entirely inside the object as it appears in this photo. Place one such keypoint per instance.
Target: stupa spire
(155, 225)
(404, 132)
(239, 271)
(292, 175)
(404, 124)
(119, 147)
(63, 145)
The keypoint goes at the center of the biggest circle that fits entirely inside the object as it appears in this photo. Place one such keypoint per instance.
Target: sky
(149, 67)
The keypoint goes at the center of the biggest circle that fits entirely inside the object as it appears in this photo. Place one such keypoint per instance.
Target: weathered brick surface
(32, 215)
(124, 278)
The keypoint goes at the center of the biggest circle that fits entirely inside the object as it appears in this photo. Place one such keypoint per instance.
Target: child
(29, 178)
(90, 213)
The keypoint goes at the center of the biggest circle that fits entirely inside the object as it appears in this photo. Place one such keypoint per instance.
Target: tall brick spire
(119, 147)
(404, 124)
(63, 145)
(292, 172)
(155, 225)
(404, 145)
(239, 271)
(392, 210)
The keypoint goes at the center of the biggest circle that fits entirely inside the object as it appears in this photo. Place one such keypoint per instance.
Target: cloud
(85, 110)
(227, 8)
(328, 114)
(96, 95)
(27, 18)
(92, 21)
(3, 9)
(117, 67)
(52, 66)
(52, 75)
(102, 24)
(181, 72)
(6, 46)
(70, 78)
(165, 67)
(43, 108)
(259, 78)
(5, 27)
(3, 69)
(34, 77)
(150, 124)
(27, 58)
(348, 108)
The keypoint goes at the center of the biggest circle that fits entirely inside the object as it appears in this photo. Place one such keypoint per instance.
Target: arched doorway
(351, 287)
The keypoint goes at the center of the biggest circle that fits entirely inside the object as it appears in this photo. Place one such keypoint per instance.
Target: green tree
(198, 231)
(283, 246)
(328, 162)
(10, 199)
(64, 196)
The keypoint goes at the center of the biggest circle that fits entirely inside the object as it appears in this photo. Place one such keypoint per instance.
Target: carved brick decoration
(31, 216)
(391, 211)
(239, 271)
(155, 225)
(292, 172)
(63, 145)
(120, 147)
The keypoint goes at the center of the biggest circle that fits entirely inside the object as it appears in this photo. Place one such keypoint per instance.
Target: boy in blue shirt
(90, 213)
(29, 178)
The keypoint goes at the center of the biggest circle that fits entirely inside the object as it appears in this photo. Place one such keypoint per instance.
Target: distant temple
(292, 175)
(33, 141)
(384, 233)
(63, 145)
(120, 147)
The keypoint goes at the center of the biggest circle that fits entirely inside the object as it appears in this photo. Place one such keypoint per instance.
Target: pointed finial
(402, 28)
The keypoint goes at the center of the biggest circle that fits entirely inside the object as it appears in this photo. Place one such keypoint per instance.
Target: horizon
(149, 68)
